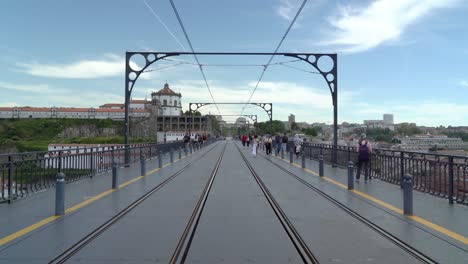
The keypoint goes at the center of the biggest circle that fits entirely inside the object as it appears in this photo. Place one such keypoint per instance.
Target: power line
(299, 69)
(232, 65)
(164, 25)
(274, 53)
(196, 58)
(164, 67)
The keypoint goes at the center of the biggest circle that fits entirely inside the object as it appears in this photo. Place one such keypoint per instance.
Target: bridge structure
(218, 202)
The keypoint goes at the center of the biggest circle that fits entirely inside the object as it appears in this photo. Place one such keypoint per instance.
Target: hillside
(35, 134)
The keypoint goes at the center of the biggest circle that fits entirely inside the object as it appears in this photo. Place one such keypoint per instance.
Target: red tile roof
(166, 91)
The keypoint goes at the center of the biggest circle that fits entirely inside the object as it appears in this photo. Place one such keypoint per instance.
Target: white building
(69, 112)
(387, 122)
(388, 119)
(168, 100)
(424, 142)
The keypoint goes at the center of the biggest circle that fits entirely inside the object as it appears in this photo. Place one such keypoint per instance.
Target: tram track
(75, 248)
(301, 247)
(185, 241)
(395, 240)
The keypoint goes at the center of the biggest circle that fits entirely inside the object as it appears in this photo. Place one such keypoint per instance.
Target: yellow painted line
(377, 201)
(88, 201)
(75, 207)
(442, 230)
(26, 230)
(415, 218)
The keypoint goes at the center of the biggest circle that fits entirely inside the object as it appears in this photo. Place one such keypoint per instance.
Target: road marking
(75, 207)
(415, 218)
(28, 229)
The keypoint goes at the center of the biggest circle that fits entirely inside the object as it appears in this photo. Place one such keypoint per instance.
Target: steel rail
(185, 241)
(305, 253)
(403, 245)
(75, 248)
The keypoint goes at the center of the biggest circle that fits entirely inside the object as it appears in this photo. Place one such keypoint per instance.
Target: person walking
(297, 145)
(284, 140)
(244, 140)
(364, 148)
(186, 141)
(255, 146)
(268, 143)
(278, 143)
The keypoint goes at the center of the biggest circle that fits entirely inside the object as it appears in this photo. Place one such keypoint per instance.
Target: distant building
(168, 101)
(388, 119)
(69, 112)
(291, 119)
(427, 141)
(241, 121)
(387, 122)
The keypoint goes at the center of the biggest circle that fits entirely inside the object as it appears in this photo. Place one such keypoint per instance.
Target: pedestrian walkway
(237, 224)
(436, 227)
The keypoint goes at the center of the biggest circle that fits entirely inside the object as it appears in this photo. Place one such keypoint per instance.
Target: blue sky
(406, 57)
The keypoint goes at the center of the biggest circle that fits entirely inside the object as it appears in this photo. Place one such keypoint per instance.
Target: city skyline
(399, 71)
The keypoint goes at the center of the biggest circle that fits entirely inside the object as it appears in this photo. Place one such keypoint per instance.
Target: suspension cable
(164, 25)
(193, 51)
(274, 53)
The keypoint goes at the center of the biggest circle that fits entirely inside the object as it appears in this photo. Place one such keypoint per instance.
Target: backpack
(278, 139)
(363, 151)
(285, 139)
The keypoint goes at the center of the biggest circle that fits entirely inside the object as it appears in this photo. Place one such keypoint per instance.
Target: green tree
(264, 127)
(407, 129)
(294, 126)
(311, 132)
(380, 134)
(196, 113)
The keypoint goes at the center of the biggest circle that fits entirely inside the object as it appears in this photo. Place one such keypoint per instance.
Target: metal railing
(22, 174)
(438, 174)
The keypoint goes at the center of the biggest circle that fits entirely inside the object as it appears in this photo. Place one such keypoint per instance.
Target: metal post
(291, 159)
(91, 163)
(450, 190)
(128, 86)
(60, 194)
(60, 161)
(172, 155)
(143, 165)
(160, 159)
(10, 178)
(303, 159)
(321, 165)
(180, 152)
(402, 168)
(185, 149)
(282, 153)
(191, 148)
(408, 195)
(350, 175)
(115, 172)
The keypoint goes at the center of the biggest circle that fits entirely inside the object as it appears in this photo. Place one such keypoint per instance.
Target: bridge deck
(237, 224)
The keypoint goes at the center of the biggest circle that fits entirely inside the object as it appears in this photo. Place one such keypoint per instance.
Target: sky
(404, 57)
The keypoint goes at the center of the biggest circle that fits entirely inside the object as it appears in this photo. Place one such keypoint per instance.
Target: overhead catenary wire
(194, 55)
(231, 65)
(163, 24)
(164, 67)
(276, 50)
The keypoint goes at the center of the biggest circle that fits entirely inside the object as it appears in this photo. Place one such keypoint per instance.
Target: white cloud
(463, 83)
(358, 29)
(286, 10)
(110, 65)
(35, 88)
